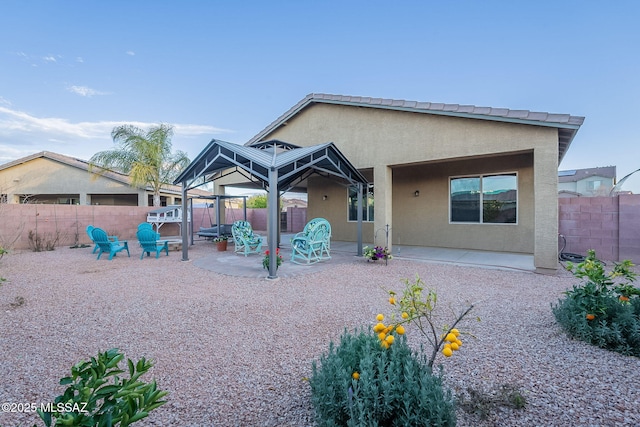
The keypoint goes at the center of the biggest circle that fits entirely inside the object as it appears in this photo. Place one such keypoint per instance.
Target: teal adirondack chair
(313, 243)
(149, 242)
(106, 245)
(145, 225)
(246, 241)
(95, 248)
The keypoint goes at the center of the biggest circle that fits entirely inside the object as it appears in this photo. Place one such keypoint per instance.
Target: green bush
(605, 309)
(361, 383)
(97, 396)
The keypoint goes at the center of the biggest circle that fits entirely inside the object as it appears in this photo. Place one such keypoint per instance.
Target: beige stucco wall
(438, 147)
(45, 176)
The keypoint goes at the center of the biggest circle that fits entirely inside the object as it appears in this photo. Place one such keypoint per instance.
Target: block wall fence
(608, 225)
(69, 222)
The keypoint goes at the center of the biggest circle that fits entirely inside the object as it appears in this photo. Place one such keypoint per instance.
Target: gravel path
(234, 351)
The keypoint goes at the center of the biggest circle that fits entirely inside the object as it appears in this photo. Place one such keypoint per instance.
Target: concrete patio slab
(232, 264)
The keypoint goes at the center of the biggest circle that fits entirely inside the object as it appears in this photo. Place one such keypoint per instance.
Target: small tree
(143, 155)
(257, 202)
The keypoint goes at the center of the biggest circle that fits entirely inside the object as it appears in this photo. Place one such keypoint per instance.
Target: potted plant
(266, 259)
(221, 243)
(376, 253)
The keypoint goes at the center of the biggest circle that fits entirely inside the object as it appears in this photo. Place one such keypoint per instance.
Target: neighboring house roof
(576, 175)
(84, 165)
(566, 124)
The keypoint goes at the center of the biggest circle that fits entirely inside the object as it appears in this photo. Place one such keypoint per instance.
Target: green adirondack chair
(106, 245)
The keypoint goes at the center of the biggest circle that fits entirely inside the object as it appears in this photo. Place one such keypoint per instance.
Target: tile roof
(579, 174)
(567, 124)
(84, 165)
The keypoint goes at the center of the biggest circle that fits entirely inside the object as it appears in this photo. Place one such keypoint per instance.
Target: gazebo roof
(293, 163)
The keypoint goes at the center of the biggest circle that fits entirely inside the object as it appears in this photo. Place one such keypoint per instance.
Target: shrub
(418, 308)
(98, 396)
(605, 309)
(361, 383)
(41, 242)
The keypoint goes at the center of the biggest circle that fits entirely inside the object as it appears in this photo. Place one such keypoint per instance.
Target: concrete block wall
(296, 219)
(629, 219)
(69, 222)
(608, 225)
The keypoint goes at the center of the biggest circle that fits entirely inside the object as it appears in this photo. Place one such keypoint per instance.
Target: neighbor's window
(367, 203)
(488, 199)
(593, 185)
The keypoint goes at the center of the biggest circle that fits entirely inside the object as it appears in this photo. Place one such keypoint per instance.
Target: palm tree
(143, 155)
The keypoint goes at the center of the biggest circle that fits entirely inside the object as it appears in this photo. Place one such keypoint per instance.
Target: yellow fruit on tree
(454, 346)
(447, 351)
(450, 337)
(382, 336)
(389, 339)
(405, 315)
(356, 376)
(455, 332)
(384, 344)
(392, 301)
(378, 328)
(400, 330)
(459, 343)
(380, 317)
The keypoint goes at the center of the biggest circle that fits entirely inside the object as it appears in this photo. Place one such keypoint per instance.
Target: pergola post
(273, 218)
(359, 217)
(185, 224)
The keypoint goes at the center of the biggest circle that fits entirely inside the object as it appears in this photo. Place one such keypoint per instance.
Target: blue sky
(72, 70)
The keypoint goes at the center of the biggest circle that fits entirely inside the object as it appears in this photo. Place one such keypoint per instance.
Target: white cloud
(79, 59)
(131, 53)
(49, 58)
(22, 134)
(192, 130)
(85, 91)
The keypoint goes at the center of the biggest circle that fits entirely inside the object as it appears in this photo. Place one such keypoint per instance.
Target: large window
(367, 203)
(488, 199)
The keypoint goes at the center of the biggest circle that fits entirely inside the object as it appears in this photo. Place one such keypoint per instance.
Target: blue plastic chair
(95, 248)
(149, 242)
(145, 225)
(106, 245)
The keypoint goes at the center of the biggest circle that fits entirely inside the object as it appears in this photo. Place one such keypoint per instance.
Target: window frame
(481, 202)
(367, 199)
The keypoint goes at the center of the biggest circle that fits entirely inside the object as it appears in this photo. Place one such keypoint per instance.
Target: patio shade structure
(278, 166)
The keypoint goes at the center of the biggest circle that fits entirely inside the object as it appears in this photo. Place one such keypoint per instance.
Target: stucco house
(53, 178)
(440, 175)
(589, 182)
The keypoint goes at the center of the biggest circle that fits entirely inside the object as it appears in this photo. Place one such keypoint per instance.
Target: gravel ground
(234, 351)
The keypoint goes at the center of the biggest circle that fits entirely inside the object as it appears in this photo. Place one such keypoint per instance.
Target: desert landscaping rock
(236, 351)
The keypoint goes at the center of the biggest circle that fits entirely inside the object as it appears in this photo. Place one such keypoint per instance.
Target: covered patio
(275, 166)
